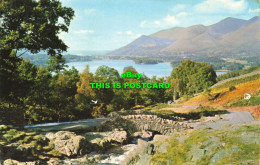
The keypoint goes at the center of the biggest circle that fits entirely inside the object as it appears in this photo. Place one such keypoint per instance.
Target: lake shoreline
(161, 69)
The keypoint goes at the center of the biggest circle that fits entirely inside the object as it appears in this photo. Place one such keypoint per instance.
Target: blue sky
(110, 24)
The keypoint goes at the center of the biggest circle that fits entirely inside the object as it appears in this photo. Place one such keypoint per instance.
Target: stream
(113, 156)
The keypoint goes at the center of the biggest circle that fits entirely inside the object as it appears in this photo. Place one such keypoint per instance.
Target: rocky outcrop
(158, 138)
(155, 123)
(68, 143)
(144, 150)
(118, 136)
(100, 138)
(15, 162)
(145, 147)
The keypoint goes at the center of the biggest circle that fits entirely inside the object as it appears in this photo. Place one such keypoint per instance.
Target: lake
(150, 70)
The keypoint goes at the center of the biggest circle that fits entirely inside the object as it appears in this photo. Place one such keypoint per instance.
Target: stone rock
(234, 149)
(131, 157)
(145, 159)
(118, 136)
(137, 134)
(50, 136)
(157, 138)
(69, 143)
(150, 149)
(113, 114)
(10, 162)
(54, 162)
(94, 135)
(15, 162)
(198, 154)
(163, 147)
(144, 147)
(217, 157)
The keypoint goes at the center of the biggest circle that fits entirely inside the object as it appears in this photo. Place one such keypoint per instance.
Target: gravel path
(232, 118)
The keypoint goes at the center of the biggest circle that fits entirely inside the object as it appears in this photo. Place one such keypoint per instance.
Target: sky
(110, 24)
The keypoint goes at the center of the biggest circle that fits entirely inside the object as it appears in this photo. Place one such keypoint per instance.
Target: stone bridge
(158, 124)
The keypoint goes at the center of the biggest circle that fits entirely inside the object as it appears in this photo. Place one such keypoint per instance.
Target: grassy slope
(210, 146)
(225, 97)
(221, 95)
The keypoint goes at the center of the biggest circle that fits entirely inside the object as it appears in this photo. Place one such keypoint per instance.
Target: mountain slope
(227, 25)
(230, 36)
(144, 45)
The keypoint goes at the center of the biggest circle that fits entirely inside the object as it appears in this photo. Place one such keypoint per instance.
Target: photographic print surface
(129, 82)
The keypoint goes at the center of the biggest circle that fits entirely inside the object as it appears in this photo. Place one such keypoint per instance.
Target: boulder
(68, 143)
(113, 114)
(15, 162)
(54, 162)
(198, 154)
(131, 157)
(160, 138)
(50, 136)
(217, 157)
(144, 147)
(163, 147)
(118, 136)
(137, 134)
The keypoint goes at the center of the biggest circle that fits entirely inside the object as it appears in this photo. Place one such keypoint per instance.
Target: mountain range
(230, 37)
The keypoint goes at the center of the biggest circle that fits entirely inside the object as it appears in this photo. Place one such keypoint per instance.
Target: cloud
(254, 10)
(182, 14)
(129, 32)
(137, 35)
(221, 6)
(84, 31)
(167, 21)
(89, 11)
(157, 22)
(178, 7)
(171, 20)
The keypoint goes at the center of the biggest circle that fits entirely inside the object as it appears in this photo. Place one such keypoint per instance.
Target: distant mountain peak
(227, 25)
(254, 19)
(230, 19)
(230, 36)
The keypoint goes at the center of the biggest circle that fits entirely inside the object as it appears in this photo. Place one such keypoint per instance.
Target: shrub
(99, 110)
(137, 107)
(231, 88)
